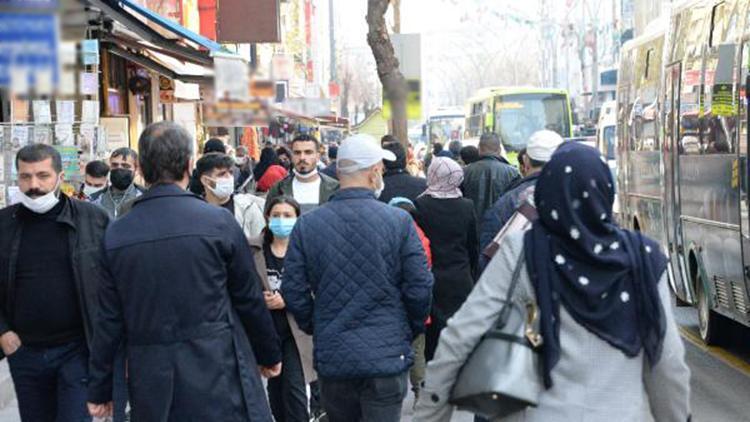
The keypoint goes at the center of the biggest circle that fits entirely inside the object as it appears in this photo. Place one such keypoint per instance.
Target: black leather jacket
(87, 223)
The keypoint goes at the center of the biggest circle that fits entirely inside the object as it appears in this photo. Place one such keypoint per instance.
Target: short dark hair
(214, 145)
(35, 153)
(333, 151)
(437, 148)
(469, 154)
(399, 151)
(281, 199)
(520, 155)
(222, 131)
(303, 137)
(489, 142)
(212, 161)
(455, 148)
(97, 168)
(125, 153)
(166, 149)
(536, 163)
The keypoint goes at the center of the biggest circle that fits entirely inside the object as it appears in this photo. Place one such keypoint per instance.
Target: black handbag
(502, 375)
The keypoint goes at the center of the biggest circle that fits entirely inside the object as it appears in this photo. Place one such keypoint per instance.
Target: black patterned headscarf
(578, 257)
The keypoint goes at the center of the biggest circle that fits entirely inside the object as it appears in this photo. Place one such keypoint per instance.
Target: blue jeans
(51, 382)
(364, 399)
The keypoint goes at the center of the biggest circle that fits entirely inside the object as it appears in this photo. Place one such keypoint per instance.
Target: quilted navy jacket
(356, 277)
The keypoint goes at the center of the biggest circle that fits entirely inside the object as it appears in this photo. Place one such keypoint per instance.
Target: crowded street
(374, 210)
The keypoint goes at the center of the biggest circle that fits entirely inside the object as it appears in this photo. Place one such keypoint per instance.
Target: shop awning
(161, 65)
(172, 26)
(141, 25)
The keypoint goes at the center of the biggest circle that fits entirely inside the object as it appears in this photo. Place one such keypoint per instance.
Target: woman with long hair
(269, 170)
(287, 393)
(610, 349)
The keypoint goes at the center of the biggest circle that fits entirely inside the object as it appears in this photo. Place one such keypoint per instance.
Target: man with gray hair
(356, 279)
(488, 178)
(179, 283)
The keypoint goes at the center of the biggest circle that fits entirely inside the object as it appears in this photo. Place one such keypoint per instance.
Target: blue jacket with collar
(356, 277)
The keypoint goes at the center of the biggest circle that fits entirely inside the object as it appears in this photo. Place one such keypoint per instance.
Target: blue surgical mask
(282, 227)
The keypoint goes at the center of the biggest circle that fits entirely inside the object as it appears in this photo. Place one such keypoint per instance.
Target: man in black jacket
(398, 182)
(487, 179)
(51, 247)
(182, 288)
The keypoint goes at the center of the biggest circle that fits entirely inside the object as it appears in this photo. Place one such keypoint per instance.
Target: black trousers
(364, 399)
(286, 393)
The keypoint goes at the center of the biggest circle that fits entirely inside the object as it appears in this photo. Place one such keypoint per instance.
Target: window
(718, 24)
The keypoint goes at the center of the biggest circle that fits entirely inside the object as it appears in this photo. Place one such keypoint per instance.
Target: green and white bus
(514, 113)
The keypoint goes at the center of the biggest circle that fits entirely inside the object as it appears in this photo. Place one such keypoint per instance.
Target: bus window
(518, 116)
(718, 24)
(720, 119)
(689, 131)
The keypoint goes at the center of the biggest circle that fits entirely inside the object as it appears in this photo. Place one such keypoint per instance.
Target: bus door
(743, 167)
(671, 206)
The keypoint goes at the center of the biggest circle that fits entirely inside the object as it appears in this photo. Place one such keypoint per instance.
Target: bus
(682, 127)
(446, 124)
(515, 113)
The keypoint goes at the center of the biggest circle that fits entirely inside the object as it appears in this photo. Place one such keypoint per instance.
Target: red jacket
(425, 244)
(273, 175)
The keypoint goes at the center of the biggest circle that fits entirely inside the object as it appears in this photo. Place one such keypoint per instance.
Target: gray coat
(303, 341)
(592, 381)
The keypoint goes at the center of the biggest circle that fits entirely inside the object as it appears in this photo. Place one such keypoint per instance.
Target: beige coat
(304, 342)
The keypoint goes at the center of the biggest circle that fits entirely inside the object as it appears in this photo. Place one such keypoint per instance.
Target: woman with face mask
(448, 220)
(287, 393)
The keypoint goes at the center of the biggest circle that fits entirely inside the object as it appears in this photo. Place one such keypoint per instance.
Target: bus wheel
(709, 322)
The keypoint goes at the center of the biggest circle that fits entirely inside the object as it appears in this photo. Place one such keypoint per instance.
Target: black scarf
(605, 277)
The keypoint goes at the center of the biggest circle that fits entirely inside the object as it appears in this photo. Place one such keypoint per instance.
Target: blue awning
(169, 25)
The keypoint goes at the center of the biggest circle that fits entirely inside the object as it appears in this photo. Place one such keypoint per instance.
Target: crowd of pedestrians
(340, 274)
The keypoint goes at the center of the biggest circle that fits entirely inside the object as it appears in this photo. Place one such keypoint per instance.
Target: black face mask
(121, 178)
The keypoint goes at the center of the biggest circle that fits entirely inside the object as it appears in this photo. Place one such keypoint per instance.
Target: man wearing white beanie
(356, 279)
(539, 150)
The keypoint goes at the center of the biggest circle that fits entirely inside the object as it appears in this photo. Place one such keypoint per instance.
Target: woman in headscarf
(611, 350)
(268, 171)
(448, 220)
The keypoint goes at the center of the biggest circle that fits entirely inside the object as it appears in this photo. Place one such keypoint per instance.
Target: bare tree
(390, 76)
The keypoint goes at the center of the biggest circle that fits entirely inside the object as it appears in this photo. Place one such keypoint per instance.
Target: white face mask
(89, 190)
(379, 191)
(224, 187)
(43, 203)
(307, 176)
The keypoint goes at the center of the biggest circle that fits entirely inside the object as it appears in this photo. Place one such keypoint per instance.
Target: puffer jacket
(356, 278)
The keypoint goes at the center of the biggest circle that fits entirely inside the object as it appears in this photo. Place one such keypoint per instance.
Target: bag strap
(504, 313)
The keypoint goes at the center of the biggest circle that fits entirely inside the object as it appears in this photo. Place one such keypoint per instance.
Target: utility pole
(332, 36)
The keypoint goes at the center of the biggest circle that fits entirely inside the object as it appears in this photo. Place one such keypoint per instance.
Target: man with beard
(123, 164)
(308, 187)
(51, 273)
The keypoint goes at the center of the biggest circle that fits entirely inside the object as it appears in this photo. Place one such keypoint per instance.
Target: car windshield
(518, 116)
